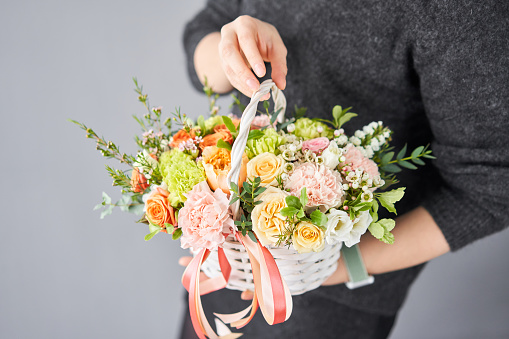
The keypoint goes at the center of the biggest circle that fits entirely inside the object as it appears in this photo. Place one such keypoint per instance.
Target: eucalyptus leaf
(392, 168)
(387, 158)
(124, 203)
(407, 164)
(252, 236)
(401, 153)
(106, 211)
(106, 198)
(418, 161)
(136, 209)
(98, 206)
(417, 151)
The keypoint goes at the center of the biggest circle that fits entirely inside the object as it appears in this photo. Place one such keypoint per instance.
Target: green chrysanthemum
(269, 142)
(181, 173)
(309, 129)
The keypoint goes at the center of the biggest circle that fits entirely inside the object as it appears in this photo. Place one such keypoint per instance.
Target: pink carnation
(316, 145)
(356, 160)
(323, 185)
(261, 121)
(204, 218)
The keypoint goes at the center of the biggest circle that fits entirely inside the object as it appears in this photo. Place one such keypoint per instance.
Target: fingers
(247, 295)
(245, 44)
(234, 66)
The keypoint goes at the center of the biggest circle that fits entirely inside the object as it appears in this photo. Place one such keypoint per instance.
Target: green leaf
(234, 200)
(152, 227)
(388, 224)
(176, 234)
(273, 118)
(124, 202)
(98, 206)
(376, 230)
(169, 228)
(136, 209)
(301, 213)
(106, 211)
(345, 118)
(223, 144)
(255, 134)
(106, 198)
(388, 238)
(401, 153)
(303, 197)
(248, 188)
(259, 190)
(336, 113)
(234, 187)
(374, 210)
(151, 235)
(417, 151)
(318, 218)
(407, 164)
(387, 157)
(292, 201)
(289, 211)
(388, 199)
(252, 236)
(418, 161)
(392, 168)
(229, 124)
(201, 123)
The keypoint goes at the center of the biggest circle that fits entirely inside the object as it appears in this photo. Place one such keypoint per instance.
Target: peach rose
(308, 237)
(138, 181)
(211, 139)
(217, 164)
(158, 209)
(267, 220)
(316, 145)
(181, 136)
(267, 166)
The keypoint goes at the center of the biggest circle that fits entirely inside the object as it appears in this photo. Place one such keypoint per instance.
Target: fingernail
(253, 84)
(259, 69)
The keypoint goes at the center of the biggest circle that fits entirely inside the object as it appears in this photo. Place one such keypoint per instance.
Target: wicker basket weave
(302, 271)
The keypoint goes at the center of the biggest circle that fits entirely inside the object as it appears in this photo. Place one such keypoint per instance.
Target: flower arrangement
(303, 182)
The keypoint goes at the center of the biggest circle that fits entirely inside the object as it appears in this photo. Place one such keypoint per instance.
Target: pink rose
(356, 160)
(316, 145)
(323, 185)
(205, 218)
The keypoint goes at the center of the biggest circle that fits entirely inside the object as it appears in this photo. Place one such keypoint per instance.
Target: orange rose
(138, 181)
(217, 164)
(180, 136)
(211, 139)
(158, 209)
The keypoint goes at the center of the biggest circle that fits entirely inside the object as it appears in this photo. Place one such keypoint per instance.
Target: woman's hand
(242, 47)
(245, 44)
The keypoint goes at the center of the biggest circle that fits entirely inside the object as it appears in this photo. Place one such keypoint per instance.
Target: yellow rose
(308, 237)
(268, 222)
(267, 166)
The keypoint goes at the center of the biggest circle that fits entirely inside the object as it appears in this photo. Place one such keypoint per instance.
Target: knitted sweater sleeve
(215, 15)
(461, 55)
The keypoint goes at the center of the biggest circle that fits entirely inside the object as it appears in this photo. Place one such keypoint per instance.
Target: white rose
(360, 226)
(331, 155)
(338, 226)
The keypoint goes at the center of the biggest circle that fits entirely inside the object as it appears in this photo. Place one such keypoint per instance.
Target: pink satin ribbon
(271, 292)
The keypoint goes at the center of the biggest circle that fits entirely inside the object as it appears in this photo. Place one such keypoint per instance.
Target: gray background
(67, 274)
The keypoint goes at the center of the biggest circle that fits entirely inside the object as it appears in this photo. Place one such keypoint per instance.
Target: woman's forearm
(417, 240)
(207, 63)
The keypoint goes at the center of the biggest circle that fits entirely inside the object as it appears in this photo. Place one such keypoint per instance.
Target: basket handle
(245, 123)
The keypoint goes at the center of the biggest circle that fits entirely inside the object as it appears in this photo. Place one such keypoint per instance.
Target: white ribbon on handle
(245, 125)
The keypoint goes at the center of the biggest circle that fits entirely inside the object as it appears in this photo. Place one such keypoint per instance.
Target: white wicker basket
(302, 272)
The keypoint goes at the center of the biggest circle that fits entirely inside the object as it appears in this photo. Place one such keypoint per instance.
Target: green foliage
(127, 203)
(223, 144)
(230, 125)
(382, 230)
(388, 199)
(341, 116)
(387, 164)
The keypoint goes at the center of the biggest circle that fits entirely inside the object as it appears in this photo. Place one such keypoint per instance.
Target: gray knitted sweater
(433, 71)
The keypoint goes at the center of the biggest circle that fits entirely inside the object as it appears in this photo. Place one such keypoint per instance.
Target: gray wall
(67, 274)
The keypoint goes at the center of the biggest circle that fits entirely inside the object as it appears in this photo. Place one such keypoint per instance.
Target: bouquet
(263, 181)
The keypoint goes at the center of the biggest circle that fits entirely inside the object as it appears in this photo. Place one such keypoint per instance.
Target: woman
(433, 71)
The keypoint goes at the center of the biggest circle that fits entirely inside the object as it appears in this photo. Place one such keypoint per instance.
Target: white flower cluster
(371, 138)
(359, 179)
(291, 150)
